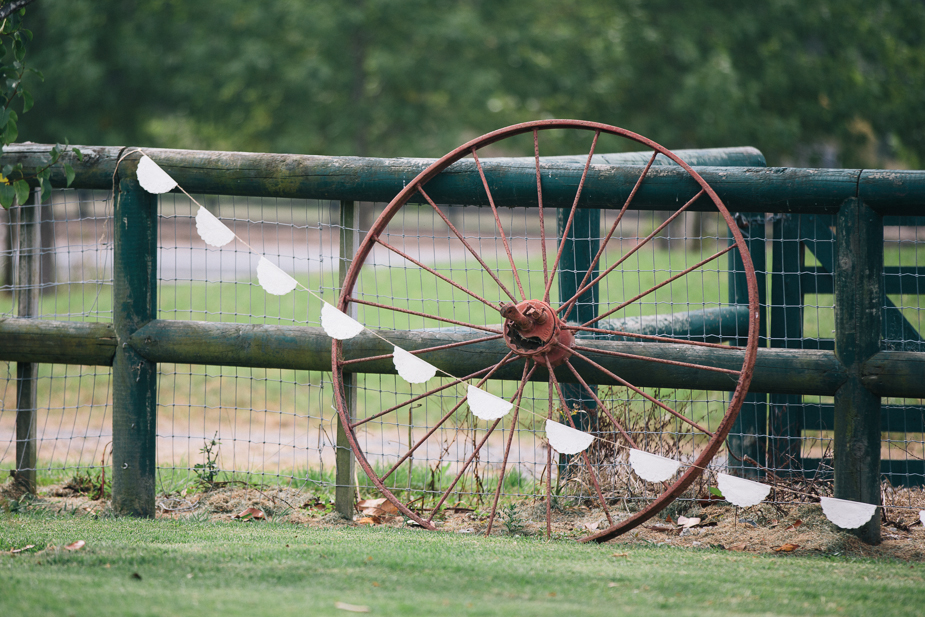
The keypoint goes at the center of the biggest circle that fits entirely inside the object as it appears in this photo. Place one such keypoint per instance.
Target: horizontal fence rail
(783, 371)
(742, 189)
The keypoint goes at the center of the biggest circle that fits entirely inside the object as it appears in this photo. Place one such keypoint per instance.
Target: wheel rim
(534, 329)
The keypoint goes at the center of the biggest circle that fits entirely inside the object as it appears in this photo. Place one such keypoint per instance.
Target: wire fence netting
(274, 426)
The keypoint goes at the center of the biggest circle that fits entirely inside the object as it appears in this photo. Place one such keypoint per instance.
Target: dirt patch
(767, 528)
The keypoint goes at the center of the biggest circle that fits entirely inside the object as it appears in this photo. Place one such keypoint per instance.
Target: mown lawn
(193, 567)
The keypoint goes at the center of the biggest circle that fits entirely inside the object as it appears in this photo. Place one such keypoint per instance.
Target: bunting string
(482, 404)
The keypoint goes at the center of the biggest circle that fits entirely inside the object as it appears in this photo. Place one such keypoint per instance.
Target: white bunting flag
(847, 514)
(339, 325)
(922, 517)
(411, 368)
(211, 230)
(485, 405)
(565, 439)
(652, 467)
(152, 178)
(741, 492)
(274, 280)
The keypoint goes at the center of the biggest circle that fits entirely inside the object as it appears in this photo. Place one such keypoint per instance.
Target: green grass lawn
(191, 567)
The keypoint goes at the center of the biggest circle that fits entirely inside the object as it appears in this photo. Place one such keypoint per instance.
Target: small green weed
(207, 471)
(511, 520)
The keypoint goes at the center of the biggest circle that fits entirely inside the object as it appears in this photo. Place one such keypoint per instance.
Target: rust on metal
(533, 330)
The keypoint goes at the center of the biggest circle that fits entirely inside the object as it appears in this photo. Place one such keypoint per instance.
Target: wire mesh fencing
(275, 426)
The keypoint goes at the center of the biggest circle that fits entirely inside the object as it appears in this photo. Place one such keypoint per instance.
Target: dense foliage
(837, 82)
(14, 94)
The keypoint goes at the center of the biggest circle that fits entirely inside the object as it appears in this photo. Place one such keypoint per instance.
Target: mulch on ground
(794, 529)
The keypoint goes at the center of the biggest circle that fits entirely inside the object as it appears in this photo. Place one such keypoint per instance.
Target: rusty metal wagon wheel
(500, 327)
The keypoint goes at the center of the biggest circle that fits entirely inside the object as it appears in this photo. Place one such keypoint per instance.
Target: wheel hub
(532, 329)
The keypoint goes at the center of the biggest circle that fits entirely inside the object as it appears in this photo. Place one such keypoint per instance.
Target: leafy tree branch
(13, 38)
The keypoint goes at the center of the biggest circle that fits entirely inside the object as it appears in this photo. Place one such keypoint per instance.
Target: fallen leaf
(76, 546)
(612, 584)
(795, 524)
(706, 499)
(619, 555)
(686, 522)
(353, 608)
(25, 548)
(737, 547)
(786, 548)
(250, 514)
(592, 526)
(136, 575)
(369, 520)
(377, 507)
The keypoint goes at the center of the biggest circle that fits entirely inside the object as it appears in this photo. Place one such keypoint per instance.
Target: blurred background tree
(831, 83)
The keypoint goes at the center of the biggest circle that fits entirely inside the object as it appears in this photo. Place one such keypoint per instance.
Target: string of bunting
(484, 405)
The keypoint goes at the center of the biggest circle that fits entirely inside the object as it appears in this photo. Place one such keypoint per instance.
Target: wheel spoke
(570, 304)
(549, 467)
(494, 210)
(415, 399)
(571, 217)
(424, 350)
(443, 419)
(468, 246)
(643, 294)
(601, 405)
(435, 273)
(630, 356)
(638, 246)
(425, 315)
(649, 398)
(584, 453)
(516, 401)
(507, 451)
(647, 337)
(539, 197)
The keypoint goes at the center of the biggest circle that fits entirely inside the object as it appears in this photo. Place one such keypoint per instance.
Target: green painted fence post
(27, 305)
(580, 247)
(858, 306)
(784, 412)
(345, 485)
(746, 439)
(134, 379)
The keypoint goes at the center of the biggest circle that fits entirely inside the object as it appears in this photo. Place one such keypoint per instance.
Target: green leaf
(7, 195)
(80, 155)
(715, 492)
(27, 101)
(38, 73)
(10, 131)
(45, 185)
(26, 33)
(68, 173)
(19, 50)
(22, 191)
(7, 170)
